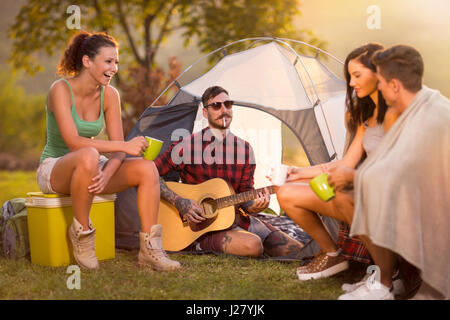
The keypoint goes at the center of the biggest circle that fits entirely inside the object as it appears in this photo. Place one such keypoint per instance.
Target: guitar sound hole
(209, 206)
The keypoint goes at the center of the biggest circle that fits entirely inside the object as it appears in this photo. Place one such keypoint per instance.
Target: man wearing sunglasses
(249, 236)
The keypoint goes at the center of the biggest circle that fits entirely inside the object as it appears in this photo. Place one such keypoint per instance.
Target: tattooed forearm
(183, 205)
(166, 193)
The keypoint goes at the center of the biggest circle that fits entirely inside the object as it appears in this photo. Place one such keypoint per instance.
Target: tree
(22, 120)
(142, 26)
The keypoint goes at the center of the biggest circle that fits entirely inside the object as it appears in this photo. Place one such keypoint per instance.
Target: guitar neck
(241, 197)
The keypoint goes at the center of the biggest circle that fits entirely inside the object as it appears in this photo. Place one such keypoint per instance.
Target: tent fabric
(290, 82)
(319, 82)
(271, 85)
(284, 91)
(126, 220)
(330, 117)
(163, 121)
(182, 97)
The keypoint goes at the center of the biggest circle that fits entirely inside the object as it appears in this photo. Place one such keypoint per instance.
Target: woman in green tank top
(71, 162)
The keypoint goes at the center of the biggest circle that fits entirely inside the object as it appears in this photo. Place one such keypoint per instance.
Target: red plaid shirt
(200, 157)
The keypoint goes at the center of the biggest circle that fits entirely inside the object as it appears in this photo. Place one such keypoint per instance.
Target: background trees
(22, 125)
(142, 26)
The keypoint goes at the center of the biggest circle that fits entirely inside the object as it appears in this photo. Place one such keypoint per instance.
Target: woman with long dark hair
(72, 164)
(366, 124)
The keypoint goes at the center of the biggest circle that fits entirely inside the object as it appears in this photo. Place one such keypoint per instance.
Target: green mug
(153, 149)
(322, 188)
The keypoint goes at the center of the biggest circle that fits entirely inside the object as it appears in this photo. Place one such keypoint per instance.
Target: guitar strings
(236, 198)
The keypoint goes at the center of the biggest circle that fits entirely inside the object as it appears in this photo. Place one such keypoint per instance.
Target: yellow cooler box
(49, 218)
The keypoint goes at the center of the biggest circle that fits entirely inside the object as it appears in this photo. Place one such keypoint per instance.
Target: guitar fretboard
(241, 197)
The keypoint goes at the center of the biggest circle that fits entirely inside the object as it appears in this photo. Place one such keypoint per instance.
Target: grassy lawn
(16, 184)
(205, 277)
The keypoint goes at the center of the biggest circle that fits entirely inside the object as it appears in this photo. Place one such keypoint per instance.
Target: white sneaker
(349, 287)
(369, 290)
(397, 284)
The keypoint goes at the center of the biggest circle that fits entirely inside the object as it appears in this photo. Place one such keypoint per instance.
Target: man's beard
(219, 123)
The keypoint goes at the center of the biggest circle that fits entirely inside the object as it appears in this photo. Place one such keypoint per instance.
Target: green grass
(204, 277)
(16, 184)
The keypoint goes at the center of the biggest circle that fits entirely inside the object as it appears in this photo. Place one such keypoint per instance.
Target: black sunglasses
(217, 105)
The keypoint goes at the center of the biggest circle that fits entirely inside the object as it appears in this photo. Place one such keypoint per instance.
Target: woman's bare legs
(72, 174)
(384, 258)
(344, 205)
(142, 174)
(300, 203)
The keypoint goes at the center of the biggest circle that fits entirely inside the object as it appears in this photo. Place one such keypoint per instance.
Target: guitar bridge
(184, 220)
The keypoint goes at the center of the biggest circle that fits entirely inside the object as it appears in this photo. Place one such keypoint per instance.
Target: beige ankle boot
(83, 243)
(152, 253)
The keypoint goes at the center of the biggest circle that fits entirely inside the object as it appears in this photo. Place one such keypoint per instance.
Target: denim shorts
(45, 168)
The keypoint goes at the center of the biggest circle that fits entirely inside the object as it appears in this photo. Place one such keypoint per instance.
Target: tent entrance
(293, 152)
(273, 142)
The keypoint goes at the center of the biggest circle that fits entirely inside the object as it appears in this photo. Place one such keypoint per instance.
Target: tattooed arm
(187, 208)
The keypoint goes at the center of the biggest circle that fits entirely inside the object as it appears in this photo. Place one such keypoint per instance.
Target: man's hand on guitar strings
(260, 203)
(190, 210)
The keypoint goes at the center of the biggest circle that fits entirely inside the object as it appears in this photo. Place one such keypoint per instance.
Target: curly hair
(83, 43)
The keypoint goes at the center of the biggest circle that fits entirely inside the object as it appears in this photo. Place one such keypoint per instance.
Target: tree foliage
(215, 23)
(22, 119)
(142, 26)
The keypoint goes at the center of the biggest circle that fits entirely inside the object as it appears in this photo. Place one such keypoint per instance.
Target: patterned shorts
(44, 172)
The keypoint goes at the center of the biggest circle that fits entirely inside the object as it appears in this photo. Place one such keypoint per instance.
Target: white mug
(278, 174)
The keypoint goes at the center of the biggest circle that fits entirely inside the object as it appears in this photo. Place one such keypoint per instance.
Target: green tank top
(55, 146)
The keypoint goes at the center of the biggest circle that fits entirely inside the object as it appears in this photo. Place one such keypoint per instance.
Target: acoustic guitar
(216, 198)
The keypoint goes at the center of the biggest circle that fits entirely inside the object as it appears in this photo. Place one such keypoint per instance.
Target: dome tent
(275, 90)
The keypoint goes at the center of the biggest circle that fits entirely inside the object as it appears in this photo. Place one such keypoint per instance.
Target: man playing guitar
(215, 152)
